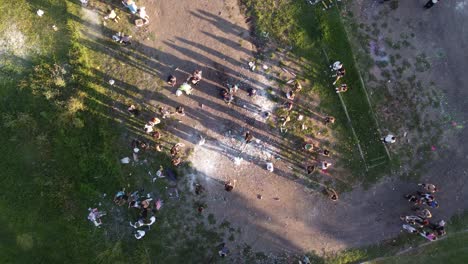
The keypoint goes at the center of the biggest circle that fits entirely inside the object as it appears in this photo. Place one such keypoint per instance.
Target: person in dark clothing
(430, 3)
(248, 137)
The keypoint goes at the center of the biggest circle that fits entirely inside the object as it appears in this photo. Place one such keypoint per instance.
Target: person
(133, 110)
(143, 15)
(196, 77)
(156, 135)
(180, 111)
(331, 194)
(414, 220)
(412, 198)
(336, 66)
(425, 214)
(199, 189)
(325, 152)
(329, 120)
(290, 95)
(340, 73)
(176, 161)
(139, 234)
(288, 105)
(176, 148)
(430, 3)
(130, 4)
(122, 38)
(121, 197)
(297, 86)
(343, 88)
(95, 216)
(248, 137)
(154, 121)
(325, 165)
(252, 92)
(185, 87)
(432, 204)
(164, 112)
(112, 15)
(310, 169)
(389, 139)
(439, 228)
(428, 235)
(227, 96)
(425, 197)
(229, 185)
(148, 128)
(171, 80)
(428, 187)
(224, 250)
(142, 222)
(410, 229)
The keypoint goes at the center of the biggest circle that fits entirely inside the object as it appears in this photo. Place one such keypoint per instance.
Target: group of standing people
(420, 223)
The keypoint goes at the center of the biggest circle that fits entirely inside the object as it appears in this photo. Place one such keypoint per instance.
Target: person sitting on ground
(133, 110)
(180, 111)
(139, 234)
(195, 78)
(121, 198)
(310, 169)
(432, 204)
(340, 73)
(224, 250)
(130, 4)
(199, 189)
(343, 88)
(290, 95)
(248, 137)
(414, 220)
(148, 128)
(252, 92)
(325, 152)
(336, 66)
(425, 214)
(288, 106)
(141, 222)
(154, 121)
(439, 228)
(389, 139)
(112, 15)
(410, 229)
(428, 187)
(164, 112)
(143, 15)
(156, 135)
(176, 149)
(95, 216)
(227, 96)
(229, 185)
(329, 120)
(331, 194)
(297, 86)
(325, 165)
(176, 161)
(425, 197)
(412, 198)
(122, 38)
(171, 80)
(428, 235)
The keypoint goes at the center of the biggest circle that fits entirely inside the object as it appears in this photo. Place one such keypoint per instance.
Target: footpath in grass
(319, 36)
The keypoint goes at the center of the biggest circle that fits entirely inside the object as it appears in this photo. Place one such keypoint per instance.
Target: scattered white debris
(125, 160)
(265, 67)
(40, 12)
(300, 117)
(54, 27)
(111, 82)
(202, 141)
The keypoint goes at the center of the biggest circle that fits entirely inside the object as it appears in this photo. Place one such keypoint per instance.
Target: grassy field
(319, 37)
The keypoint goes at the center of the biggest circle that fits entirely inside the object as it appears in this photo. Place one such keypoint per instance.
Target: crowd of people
(420, 223)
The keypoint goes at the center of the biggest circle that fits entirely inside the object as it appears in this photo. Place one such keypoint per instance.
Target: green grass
(320, 38)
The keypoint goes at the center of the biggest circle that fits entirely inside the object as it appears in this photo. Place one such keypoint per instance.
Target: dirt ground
(213, 36)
